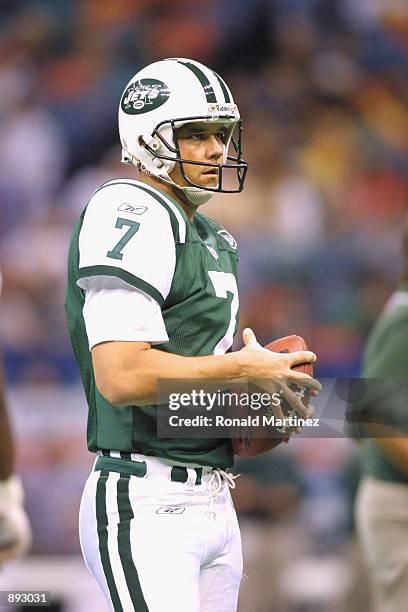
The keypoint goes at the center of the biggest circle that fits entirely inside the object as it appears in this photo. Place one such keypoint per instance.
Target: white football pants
(159, 538)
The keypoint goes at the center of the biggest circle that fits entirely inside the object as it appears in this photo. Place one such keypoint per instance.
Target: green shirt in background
(386, 357)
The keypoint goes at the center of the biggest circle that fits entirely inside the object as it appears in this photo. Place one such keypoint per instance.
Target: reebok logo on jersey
(230, 239)
(135, 210)
(170, 510)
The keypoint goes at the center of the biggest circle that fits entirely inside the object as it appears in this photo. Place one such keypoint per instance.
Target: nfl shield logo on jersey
(227, 236)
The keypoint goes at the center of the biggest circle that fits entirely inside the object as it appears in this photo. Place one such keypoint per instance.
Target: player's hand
(258, 362)
(15, 531)
(273, 372)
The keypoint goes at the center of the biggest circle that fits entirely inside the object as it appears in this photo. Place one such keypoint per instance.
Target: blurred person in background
(382, 500)
(267, 502)
(15, 532)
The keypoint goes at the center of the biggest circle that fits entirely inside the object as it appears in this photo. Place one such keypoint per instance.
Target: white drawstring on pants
(215, 485)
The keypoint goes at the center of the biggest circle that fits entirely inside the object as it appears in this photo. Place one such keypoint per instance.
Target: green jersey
(137, 233)
(386, 357)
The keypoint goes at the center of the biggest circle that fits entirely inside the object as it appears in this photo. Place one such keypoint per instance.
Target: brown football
(247, 445)
(290, 344)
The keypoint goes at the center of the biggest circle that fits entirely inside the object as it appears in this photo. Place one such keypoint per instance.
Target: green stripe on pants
(102, 523)
(125, 550)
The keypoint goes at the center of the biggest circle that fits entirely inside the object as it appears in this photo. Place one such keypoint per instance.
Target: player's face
(201, 142)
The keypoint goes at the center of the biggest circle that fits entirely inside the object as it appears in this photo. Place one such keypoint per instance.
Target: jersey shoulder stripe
(177, 218)
(171, 207)
(125, 275)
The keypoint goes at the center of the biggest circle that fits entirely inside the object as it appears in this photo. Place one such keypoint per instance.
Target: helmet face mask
(232, 164)
(158, 101)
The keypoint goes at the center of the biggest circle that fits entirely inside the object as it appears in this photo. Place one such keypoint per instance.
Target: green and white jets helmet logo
(144, 95)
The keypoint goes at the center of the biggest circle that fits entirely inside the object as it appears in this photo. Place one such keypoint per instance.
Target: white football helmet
(161, 98)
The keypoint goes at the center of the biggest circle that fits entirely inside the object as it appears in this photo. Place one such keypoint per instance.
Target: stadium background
(322, 88)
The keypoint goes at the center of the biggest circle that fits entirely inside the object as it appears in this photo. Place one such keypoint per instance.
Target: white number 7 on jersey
(224, 283)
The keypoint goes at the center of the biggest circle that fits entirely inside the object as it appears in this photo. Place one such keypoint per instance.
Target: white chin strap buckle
(153, 142)
(126, 159)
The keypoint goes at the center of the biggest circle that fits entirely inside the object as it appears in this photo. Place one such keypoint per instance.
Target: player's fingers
(278, 412)
(294, 400)
(249, 338)
(298, 357)
(280, 416)
(309, 412)
(304, 380)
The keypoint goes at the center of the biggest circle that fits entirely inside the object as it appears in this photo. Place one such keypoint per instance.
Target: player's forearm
(135, 380)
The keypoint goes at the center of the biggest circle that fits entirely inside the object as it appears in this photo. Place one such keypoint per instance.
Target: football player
(152, 294)
(15, 532)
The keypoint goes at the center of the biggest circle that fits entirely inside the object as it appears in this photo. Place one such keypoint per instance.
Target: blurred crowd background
(322, 88)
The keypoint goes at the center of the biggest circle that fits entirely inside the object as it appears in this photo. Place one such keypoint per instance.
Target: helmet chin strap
(194, 195)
